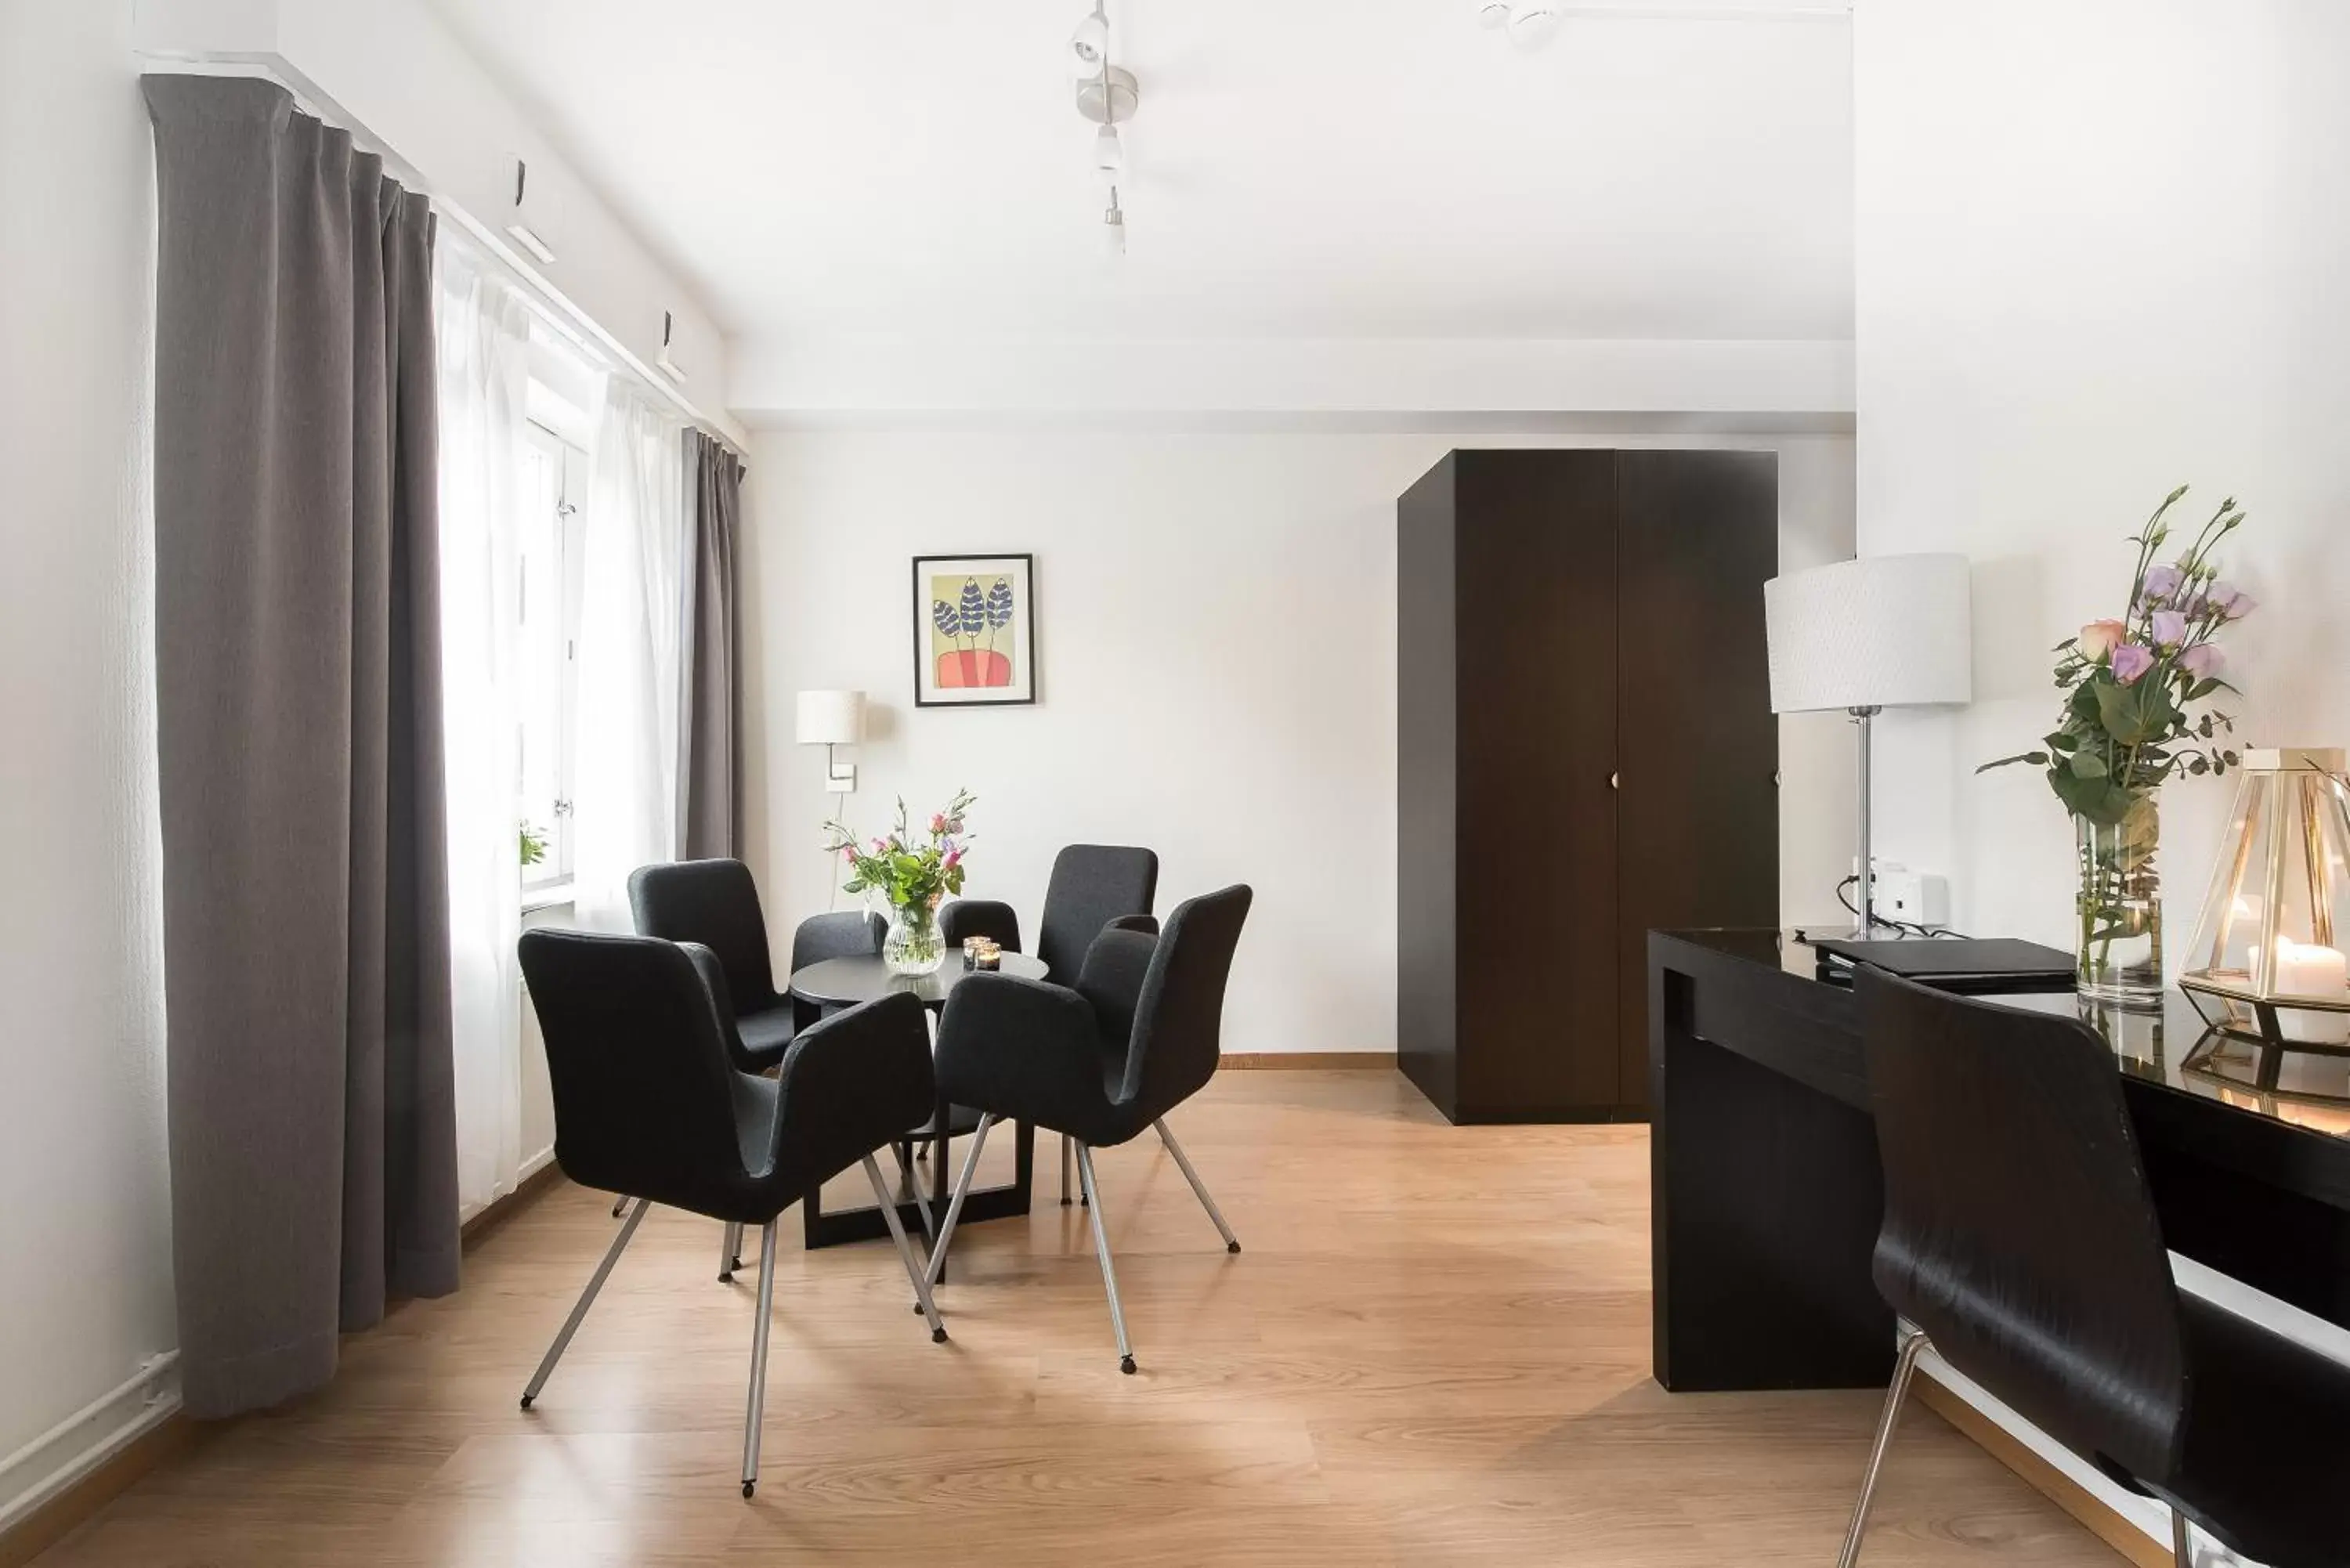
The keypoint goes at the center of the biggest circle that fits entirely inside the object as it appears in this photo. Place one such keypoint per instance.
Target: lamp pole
(1863, 900)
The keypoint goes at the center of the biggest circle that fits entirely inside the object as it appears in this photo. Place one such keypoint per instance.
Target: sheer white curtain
(483, 328)
(631, 669)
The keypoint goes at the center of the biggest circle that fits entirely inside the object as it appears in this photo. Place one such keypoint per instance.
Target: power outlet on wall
(1912, 898)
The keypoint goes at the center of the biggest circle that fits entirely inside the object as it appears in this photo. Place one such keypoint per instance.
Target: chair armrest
(852, 1082)
(722, 1003)
(1115, 966)
(1147, 924)
(1021, 1048)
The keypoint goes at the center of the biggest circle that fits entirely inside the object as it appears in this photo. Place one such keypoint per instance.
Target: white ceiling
(1299, 168)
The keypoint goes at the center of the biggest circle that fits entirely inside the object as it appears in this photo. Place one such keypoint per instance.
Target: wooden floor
(1433, 1350)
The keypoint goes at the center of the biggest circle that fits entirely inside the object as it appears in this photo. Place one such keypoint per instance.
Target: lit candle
(2304, 968)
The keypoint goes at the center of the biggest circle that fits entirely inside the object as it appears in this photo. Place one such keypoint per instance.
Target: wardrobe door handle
(1611, 782)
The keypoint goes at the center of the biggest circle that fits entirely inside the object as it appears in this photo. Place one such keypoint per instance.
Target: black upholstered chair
(1093, 886)
(1102, 1062)
(647, 1102)
(2021, 1244)
(716, 904)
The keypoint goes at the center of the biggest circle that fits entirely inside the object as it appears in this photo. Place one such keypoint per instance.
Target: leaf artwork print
(974, 609)
(943, 617)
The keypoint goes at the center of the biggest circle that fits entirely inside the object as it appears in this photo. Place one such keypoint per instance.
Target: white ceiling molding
(1296, 384)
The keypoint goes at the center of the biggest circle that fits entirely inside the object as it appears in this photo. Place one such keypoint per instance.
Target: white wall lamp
(830, 719)
(1107, 95)
(1529, 23)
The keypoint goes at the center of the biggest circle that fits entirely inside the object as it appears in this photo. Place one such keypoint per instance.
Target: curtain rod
(551, 304)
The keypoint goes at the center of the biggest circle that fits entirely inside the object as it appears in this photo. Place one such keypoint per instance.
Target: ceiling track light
(1108, 95)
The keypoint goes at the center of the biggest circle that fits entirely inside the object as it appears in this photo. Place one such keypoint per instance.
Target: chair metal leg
(1065, 1170)
(906, 1253)
(1101, 1247)
(954, 1204)
(1912, 1343)
(730, 1253)
(586, 1298)
(2182, 1539)
(1232, 1243)
(759, 1358)
(620, 1204)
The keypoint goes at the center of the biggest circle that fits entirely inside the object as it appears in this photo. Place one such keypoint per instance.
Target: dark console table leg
(1765, 1198)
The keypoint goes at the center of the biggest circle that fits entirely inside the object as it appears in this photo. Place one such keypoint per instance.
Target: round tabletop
(846, 981)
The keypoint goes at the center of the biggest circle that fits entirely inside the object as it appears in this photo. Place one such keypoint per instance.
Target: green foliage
(533, 845)
(906, 867)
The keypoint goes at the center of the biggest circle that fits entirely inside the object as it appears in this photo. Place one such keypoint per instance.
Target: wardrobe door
(1535, 679)
(1697, 747)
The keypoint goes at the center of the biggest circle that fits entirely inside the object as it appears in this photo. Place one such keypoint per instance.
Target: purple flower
(2161, 582)
(2130, 661)
(2202, 661)
(2231, 601)
(2169, 629)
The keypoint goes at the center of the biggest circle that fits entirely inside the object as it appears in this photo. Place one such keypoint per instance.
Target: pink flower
(848, 853)
(952, 856)
(938, 822)
(2130, 661)
(880, 846)
(2161, 582)
(2202, 661)
(2169, 629)
(2100, 637)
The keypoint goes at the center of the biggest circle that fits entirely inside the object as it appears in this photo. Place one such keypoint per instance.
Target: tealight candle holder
(2268, 961)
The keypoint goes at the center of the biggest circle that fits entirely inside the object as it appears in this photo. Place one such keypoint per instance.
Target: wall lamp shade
(1883, 631)
(830, 719)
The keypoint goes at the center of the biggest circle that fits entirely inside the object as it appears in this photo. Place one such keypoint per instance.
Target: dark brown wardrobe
(1585, 750)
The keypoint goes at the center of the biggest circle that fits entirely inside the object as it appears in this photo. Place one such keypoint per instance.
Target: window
(549, 539)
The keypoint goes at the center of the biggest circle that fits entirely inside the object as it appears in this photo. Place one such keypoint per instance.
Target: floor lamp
(1883, 631)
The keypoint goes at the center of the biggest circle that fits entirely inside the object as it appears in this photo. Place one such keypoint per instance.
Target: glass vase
(913, 945)
(2120, 909)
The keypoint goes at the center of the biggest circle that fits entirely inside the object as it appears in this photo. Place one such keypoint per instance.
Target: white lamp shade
(831, 717)
(1884, 631)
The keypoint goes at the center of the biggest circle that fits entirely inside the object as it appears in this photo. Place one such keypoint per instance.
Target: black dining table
(838, 982)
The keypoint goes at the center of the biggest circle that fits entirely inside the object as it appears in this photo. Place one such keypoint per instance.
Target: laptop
(1969, 966)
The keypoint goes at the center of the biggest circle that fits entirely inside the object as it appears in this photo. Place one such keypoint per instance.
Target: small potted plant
(913, 872)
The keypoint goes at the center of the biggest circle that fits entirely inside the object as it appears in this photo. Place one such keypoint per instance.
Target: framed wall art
(974, 630)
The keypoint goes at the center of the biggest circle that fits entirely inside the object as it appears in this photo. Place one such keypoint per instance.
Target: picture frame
(974, 630)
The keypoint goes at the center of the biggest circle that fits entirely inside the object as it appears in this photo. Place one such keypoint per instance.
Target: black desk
(845, 982)
(1765, 1189)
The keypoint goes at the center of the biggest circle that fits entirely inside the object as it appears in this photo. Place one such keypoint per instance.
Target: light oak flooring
(1433, 1350)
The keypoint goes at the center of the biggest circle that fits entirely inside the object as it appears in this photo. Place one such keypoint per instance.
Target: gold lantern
(2270, 960)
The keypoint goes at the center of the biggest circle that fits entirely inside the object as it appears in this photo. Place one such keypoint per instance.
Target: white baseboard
(59, 1457)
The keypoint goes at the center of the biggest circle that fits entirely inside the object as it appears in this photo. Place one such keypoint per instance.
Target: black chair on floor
(2021, 1244)
(715, 904)
(1093, 888)
(647, 1101)
(1099, 1062)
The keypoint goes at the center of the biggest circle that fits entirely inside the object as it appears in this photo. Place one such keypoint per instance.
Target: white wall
(2128, 277)
(1217, 638)
(85, 1248)
(2102, 249)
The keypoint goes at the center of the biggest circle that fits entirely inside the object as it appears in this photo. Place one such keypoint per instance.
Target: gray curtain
(298, 722)
(713, 717)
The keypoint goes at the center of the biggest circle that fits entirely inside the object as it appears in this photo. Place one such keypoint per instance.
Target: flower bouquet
(2126, 726)
(913, 872)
